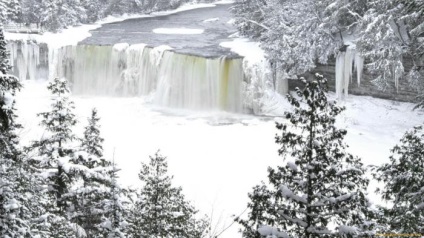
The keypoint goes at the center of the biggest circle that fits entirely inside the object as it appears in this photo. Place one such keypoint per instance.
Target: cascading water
(345, 62)
(176, 80)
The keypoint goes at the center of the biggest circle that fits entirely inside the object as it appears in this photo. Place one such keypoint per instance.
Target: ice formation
(24, 58)
(345, 62)
(176, 80)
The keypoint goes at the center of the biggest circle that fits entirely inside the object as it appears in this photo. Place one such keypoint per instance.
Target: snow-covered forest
(53, 15)
(342, 166)
(387, 35)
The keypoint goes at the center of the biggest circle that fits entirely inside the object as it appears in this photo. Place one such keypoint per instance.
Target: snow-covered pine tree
(390, 31)
(250, 16)
(9, 85)
(296, 35)
(161, 209)
(96, 182)
(10, 10)
(54, 151)
(403, 179)
(93, 9)
(92, 142)
(114, 220)
(320, 186)
(20, 193)
(55, 160)
(14, 187)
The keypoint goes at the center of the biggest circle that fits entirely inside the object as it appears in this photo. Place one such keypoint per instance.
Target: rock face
(403, 93)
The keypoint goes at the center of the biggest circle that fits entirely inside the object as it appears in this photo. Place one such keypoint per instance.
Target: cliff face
(404, 92)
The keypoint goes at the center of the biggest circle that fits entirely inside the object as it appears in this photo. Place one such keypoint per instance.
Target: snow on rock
(178, 31)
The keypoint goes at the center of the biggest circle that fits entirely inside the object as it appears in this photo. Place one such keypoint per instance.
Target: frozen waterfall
(172, 79)
(345, 62)
(26, 60)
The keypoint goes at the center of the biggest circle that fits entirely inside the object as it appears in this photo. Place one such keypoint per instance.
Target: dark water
(140, 30)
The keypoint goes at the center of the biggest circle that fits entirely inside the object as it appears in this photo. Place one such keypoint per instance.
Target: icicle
(344, 69)
(340, 67)
(359, 63)
(348, 68)
(24, 58)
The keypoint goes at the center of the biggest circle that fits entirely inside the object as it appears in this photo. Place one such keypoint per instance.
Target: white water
(345, 62)
(171, 79)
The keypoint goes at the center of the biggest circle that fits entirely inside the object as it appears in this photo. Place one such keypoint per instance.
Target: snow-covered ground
(217, 157)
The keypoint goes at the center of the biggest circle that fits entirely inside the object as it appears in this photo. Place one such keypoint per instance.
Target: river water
(215, 21)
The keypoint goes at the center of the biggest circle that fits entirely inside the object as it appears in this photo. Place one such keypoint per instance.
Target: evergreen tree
(320, 186)
(403, 179)
(114, 222)
(161, 209)
(297, 35)
(53, 148)
(14, 214)
(55, 160)
(97, 179)
(9, 85)
(250, 16)
(20, 194)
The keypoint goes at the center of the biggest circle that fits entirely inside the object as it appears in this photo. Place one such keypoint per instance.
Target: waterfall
(173, 79)
(345, 62)
(27, 59)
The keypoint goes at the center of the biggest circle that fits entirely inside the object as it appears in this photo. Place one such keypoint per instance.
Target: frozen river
(197, 32)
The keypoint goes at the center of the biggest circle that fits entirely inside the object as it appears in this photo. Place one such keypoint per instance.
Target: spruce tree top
(60, 119)
(320, 186)
(324, 184)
